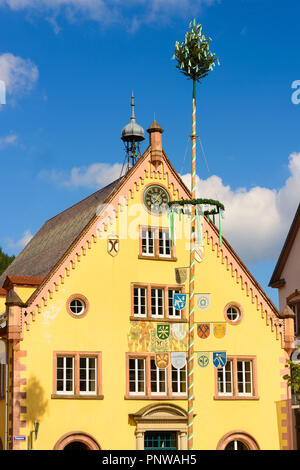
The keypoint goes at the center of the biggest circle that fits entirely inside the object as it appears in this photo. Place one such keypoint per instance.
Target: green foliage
(218, 205)
(194, 58)
(5, 261)
(293, 379)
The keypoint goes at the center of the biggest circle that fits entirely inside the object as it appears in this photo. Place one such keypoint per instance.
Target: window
(77, 374)
(179, 381)
(137, 376)
(164, 243)
(77, 306)
(155, 302)
(160, 440)
(296, 309)
(155, 243)
(148, 242)
(233, 313)
(173, 313)
(140, 301)
(236, 445)
(237, 379)
(158, 379)
(148, 380)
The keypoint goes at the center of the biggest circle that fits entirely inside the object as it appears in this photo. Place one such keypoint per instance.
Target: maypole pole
(195, 60)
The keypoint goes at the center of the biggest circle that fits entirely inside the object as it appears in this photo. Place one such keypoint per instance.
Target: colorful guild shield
(219, 330)
(162, 360)
(181, 275)
(199, 253)
(179, 301)
(203, 359)
(203, 301)
(203, 330)
(163, 331)
(219, 359)
(178, 359)
(113, 245)
(178, 331)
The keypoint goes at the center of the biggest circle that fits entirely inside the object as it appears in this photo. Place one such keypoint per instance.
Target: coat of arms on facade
(203, 359)
(178, 359)
(219, 359)
(178, 331)
(179, 301)
(203, 301)
(219, 330)
(162, 360)
(203, 330)
(113, 245)
(181, 275)
(163, 331)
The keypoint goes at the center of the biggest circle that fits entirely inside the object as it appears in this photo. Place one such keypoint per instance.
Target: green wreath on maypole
(195, 61)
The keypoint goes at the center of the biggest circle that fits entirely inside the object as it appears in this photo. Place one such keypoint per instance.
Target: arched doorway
(237, 440)
(77, 440)
(161, 426)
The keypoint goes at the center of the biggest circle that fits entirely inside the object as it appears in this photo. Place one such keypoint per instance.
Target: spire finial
(132, 107)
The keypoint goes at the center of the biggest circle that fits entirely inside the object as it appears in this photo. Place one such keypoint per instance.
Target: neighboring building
(84, 302)
(286, 278)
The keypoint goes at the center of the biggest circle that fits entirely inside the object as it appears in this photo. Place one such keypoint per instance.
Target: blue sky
(70, 67)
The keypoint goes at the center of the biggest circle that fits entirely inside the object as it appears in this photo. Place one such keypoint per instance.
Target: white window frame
(163, 234)
(156, 299)
(179, 381)
(145, 231)
(136, 374)
(139, 304)
(64, 379)
(88, 368)
(157, 381)
(222, 371)
(244, 393)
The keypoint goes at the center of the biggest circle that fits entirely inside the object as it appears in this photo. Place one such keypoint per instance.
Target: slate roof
(56, 236)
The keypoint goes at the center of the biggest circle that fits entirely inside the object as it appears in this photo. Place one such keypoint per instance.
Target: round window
(77, 305)
(233, 314)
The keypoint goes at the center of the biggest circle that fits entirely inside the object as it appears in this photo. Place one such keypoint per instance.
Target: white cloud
(132, 13)
(8, 140)
(256, 220)
(18, 74)
(20, 244)
(93, 176)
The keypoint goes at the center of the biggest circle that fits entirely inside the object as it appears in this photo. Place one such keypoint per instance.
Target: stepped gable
(56, 236)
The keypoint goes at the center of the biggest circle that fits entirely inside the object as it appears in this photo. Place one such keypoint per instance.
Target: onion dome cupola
(132, 135)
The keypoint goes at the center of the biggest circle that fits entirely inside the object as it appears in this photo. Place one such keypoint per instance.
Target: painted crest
(203, 301)
(203, 359)
(219, 359)
(178, 359)
(179, 301)
(178, 331)
(162, 360)
(181, 275)
(199, 253)
(163, 331)
(113, 245)
(203, 330)
(219, 330)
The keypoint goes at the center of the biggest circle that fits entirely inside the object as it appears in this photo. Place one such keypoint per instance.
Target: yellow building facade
(88, 313)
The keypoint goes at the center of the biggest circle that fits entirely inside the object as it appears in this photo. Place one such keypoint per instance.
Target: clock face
(155, 198)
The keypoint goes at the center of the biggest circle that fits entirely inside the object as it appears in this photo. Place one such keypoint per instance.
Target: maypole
(195, 60)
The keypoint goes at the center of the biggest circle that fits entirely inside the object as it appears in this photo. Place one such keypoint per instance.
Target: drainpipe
(6, 394)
